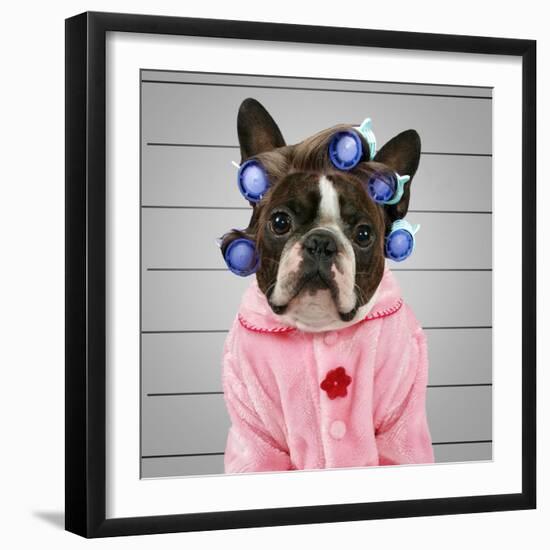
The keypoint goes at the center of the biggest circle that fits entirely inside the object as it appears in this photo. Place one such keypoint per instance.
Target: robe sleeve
(403, 435)
(255, 442)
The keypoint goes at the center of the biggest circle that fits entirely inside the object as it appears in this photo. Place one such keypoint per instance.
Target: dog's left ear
(402, 155)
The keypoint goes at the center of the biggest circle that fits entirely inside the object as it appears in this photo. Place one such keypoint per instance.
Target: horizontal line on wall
(436, 269)
(186, 269)
(458, 154)
(183, 207)
(450, 212)
(482, 384)
(195, 393)
(210, 145)
(463, 442)
(182, 455)
(324, 78)
(196, 207)
(459, 269)
(188, 455)
(183, 331)
(459, 328)
(205, 331)
(310, 89)
(221, 146)
(171, 394)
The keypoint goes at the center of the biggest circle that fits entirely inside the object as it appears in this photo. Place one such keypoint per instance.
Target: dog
(324, 366)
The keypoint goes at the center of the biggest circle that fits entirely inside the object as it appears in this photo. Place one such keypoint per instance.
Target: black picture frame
(85, 453)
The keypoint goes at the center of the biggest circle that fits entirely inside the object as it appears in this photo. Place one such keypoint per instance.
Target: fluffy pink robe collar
(255, 313)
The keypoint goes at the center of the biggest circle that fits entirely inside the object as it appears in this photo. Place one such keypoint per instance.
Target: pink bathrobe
(343, 398)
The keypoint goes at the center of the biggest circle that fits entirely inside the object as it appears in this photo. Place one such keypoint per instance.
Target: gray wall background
(189, 197)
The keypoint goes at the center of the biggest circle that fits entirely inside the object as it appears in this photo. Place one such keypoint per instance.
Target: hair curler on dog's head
(386, 188)
(252, 180)
(346, 149)
(400, 241)
(241, 257)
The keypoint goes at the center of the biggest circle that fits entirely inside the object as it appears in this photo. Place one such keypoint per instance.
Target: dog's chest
(302, 365)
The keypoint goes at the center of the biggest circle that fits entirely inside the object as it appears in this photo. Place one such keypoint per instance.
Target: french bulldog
(325, 366)
(319, 234)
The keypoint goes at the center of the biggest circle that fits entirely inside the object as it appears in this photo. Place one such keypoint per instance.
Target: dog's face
(319, 234)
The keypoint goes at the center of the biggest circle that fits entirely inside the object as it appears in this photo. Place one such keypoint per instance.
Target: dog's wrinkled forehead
(329, 205)
(322, 198)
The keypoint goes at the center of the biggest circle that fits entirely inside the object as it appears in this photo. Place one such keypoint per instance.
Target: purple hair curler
(252, 180)
(241, 257)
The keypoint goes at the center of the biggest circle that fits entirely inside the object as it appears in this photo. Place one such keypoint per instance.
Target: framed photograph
(300, 274)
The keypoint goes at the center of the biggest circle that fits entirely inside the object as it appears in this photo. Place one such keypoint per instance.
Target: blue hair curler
(241, 257)
(345, 150)
(252, 180)
(400, 242)
(386, 188)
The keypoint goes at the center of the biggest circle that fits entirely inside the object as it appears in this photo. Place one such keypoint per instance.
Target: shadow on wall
(56, 519)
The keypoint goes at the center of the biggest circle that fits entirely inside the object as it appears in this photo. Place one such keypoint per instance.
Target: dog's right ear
(257, 130)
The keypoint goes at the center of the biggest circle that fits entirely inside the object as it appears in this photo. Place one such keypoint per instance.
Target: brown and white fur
(318, 275)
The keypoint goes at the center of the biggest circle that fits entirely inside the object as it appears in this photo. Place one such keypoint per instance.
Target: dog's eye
(280, 223)
(363, 234)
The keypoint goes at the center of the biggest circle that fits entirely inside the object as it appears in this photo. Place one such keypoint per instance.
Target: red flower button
(336, 383)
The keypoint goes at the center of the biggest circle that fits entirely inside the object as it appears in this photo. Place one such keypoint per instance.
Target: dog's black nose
(320, 245)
